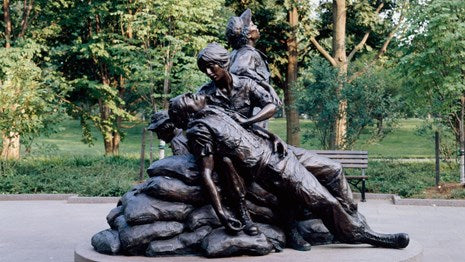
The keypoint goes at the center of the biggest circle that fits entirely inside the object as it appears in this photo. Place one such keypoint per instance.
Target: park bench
(349, 160)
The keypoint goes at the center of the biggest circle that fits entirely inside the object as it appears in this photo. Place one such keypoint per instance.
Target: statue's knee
(332, 201)
(337, 167)
(227, 160)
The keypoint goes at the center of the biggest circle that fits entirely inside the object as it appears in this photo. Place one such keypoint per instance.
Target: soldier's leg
(330, 174)
(295, 180)
(238, 195)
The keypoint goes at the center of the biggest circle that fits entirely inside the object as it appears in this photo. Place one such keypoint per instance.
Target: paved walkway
(50, 230)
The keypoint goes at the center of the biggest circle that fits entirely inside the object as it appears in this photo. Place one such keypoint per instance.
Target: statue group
(232, 187)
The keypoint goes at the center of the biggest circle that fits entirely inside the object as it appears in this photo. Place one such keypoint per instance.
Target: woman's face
(213, 71)
(254, 33)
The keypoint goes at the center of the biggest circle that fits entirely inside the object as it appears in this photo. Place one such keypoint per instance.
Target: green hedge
(113, 176)
(407, 179)
(86, 176)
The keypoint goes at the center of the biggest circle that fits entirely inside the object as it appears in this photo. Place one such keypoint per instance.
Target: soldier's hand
(233, 226)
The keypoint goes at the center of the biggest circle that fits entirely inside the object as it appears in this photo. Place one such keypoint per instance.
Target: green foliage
(84, 175)
(373, 101)
(29, 102)
(405, 179)
(122, 57)
(113, 176)
(448, 142)
(433, 60)
(458, 193)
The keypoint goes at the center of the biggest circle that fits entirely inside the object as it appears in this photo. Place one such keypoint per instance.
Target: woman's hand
(240, 119)
(279, 146)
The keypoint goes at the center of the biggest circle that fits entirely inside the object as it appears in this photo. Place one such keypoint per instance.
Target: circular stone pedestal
(327, 253)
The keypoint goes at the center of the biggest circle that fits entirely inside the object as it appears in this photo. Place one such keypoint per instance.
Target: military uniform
(212, 131)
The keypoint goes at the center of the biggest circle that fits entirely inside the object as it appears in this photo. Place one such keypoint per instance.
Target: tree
(433, 63)
(123, 56)
(373, 101)
(28, 83)
(363, 19)
(11, 141)
(172, 32)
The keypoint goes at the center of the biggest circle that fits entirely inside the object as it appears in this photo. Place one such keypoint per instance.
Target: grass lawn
(68, 142)
(63, 164)
(401, 143)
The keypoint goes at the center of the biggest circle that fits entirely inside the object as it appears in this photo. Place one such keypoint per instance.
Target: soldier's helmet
(158, 119)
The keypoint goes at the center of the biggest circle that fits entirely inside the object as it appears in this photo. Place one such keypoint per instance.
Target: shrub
(406, 179)
(87, 176)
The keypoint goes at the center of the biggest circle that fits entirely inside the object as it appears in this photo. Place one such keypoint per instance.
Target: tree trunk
(10, 146)
(25, 19)
(11, 142)
(111, 137)
(292, 116)
(116, 143)
(105, 128)
(7, 19)
(340, 56)
(166, 80)
(462, 141)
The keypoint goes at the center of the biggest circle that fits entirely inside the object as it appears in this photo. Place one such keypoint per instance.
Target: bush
(114, 176)
(86, 176)
(406, 179)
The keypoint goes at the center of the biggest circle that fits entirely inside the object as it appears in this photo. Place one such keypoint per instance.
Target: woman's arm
(264, 114)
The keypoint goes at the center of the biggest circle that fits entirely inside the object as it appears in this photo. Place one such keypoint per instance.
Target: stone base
(328, 253)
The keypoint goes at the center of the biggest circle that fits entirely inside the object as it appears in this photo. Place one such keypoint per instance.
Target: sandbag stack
(169, 214)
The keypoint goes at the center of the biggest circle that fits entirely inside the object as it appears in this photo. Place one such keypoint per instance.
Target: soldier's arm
(231, 224)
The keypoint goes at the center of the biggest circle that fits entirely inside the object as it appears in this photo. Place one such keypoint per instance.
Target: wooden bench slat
(351, 161)
(355, 166)
(344, 157)
(342, 152)
(357, 177)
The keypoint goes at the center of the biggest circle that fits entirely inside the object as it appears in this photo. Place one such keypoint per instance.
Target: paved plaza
(51, 230)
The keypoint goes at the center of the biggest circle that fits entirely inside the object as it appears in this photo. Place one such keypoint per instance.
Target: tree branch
(323, 51)
(306, 50)
(26, 14)
(365, 37)
(381, 51)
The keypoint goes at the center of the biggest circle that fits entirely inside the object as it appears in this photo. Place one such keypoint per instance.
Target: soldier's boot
(399, 240)
(294, 240)
(250, 228)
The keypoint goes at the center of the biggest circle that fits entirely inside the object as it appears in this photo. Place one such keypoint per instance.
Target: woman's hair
(213, 54)
(178, 113)
(236, 32)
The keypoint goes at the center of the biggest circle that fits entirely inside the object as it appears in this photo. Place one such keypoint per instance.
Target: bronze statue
(161, 124)
(242, 35)
(225, 190)
(238, 94)
(212, 134)
(327, 171)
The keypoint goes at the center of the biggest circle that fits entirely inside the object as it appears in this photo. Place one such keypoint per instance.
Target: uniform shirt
(212, 131)
(245, 95)
(179, 145)
(250, 62)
